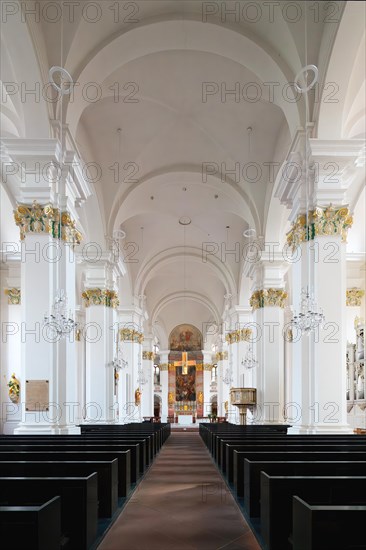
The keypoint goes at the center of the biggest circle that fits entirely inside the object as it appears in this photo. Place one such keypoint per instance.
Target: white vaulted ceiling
(168, 132)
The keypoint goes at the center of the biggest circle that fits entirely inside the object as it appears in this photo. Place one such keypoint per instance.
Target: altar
(185, 419)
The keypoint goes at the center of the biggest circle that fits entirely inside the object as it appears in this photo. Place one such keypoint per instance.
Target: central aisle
(182, 504)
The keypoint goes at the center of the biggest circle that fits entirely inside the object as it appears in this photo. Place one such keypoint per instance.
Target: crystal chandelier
(141, 380)
(228, 378)
(250, 361)
(59, 321)
(311, 316)
(119, 363)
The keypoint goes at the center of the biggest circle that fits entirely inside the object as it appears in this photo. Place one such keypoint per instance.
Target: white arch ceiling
(185, 35)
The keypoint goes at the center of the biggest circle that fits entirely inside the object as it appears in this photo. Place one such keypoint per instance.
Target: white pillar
(147, 398)
(164, 382)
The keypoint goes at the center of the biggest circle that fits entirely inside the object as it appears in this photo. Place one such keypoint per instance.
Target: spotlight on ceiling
(184, 220)
(249, 232)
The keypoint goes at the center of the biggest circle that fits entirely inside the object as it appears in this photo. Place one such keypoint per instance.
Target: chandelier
(250, 361)
(311, 316)
(119, 363)
(228, 378)
(141, 380)
(59, 321)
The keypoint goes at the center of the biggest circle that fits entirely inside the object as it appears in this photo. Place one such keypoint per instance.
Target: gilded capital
(37, 218)
(14, 296)
(100, 297)
(148, 355)
(329, 221)
(207, 366)
(240, 335)
(221, 355)
(354, 296)
(131, 335)
(163, 367)
(268, 297)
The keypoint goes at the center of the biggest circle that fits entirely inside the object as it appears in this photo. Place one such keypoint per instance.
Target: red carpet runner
(182, 504)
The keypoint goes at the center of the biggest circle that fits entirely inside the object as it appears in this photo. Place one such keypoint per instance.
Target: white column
(207, 368)
(147, 398)
(11, 350)
(268, 301)
(164, 382)
(223, 390)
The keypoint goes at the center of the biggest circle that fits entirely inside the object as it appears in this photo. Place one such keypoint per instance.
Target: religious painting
(185, 384)
(185, 338)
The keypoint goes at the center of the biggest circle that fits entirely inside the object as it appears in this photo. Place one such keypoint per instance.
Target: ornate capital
(240, 335)
(163, 367)
(14, 296)
(221, 356)
(354, 296)
(131, 335)
(321, 222)
(148, 355)
(37, 218)
(207, 366)
(100, 297)
(268, 297)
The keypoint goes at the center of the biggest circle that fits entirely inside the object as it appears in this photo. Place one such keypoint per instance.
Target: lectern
(244, 399)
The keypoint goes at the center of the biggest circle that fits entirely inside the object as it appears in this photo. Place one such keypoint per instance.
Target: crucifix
(184, 363)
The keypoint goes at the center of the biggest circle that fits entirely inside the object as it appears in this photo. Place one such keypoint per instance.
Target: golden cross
(184, 363)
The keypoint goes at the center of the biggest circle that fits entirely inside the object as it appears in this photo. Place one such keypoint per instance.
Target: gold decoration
(221, 355)
(78, 335)
(14, 296)
(321, 222)
(137, 397)
(14, 389)
(163, 367)
(240, 335)
(359, 321)
(100, 297)
(131, 335)
(207, 366)
(37, 218)
(148, 355)
(273, 297)
(171, 366)
(226, 406)
(171, 398)
(199, 367)
(354, 296)
(200, 398)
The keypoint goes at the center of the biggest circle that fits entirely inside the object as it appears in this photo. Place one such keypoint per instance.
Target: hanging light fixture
(59, 321)
(228, 377)
(141, 380)
(310, 316)
(249, 362)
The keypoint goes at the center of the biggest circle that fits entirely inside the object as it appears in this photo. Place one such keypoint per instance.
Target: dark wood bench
(79, 503)
(124, 477)
(107, 476)
(133, 449)
(32, 527)
(286, 468)
(239, 457)
(327, 527)
(276, 501)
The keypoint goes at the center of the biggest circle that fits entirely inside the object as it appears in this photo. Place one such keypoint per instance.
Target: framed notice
(37, 395)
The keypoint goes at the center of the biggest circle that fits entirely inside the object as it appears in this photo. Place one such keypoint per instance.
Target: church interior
(182, 273)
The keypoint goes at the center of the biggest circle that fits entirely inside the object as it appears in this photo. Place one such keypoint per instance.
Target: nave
(182, 504)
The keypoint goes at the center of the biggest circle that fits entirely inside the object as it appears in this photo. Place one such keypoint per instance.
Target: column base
(46, 429)
(320, 429)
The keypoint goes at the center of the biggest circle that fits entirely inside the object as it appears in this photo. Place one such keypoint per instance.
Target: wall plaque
(37, 395)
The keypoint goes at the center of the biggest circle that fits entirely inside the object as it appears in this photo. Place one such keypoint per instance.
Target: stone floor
(182, 504)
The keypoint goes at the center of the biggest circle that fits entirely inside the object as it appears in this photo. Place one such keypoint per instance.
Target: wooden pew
(124, 477)
(73, 447)
(239, 472)
(36, 527)
(276, 501)
(327, 527)
(107, 477)
(253, 471)
(79, 503)
(144, 456)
